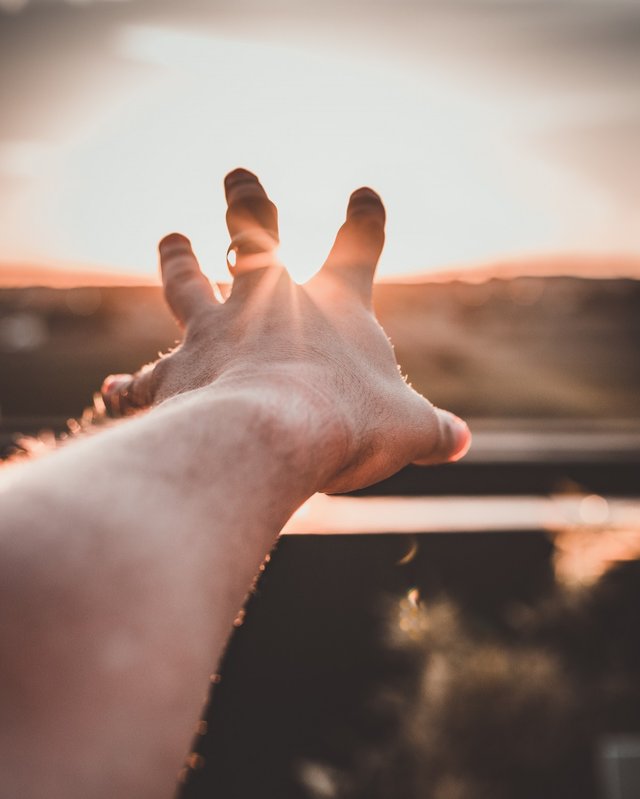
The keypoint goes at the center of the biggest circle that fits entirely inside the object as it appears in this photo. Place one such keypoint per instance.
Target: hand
(316, 344)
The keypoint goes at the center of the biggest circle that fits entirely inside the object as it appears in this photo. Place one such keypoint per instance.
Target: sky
(492, 129)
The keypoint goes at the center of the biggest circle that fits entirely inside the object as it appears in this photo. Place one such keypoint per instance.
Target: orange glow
(371, 515)
(450, 162)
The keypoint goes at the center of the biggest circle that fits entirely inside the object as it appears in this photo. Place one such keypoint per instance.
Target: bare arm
(126, 557)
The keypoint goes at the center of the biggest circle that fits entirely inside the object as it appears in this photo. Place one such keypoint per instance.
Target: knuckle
(368, 225)
(178, 269)
(434, 431)
(250, 207)
(200, 325)
(159, 374)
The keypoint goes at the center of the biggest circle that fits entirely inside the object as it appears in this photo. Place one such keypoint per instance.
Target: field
(528, 348)
(546, 369)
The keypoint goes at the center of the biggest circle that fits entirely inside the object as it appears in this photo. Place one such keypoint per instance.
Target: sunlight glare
(313, 126)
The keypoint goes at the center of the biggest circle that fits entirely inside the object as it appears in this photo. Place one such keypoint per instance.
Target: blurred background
(491, 129)
(503, 136)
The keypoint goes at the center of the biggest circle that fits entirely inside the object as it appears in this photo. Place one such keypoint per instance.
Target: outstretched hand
(318, 344)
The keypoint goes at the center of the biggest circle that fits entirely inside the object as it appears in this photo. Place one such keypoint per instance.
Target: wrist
(281, 418)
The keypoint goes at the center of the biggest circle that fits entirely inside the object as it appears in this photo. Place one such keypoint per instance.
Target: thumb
(445, 438)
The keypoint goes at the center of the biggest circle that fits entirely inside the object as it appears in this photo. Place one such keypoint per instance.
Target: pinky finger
(126, 394)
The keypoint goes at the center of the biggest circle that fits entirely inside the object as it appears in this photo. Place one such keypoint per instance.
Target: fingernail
(461, 437)
(114, 383)
(239, 175)
(366, 201)
(365, 193)
(174, 241)
(240, 181)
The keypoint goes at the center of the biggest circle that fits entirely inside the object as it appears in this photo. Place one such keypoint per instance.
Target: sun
(314, 126)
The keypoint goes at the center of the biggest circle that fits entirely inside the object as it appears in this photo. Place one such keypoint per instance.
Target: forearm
(125, 559)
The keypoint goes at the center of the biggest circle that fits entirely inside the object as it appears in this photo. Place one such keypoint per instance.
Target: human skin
(126, 556)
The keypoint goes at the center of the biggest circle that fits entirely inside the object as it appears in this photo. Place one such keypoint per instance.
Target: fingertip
(460, 436)
(115, 384)
(366, 200)
(239, 173)
(114, 391)
(446, 441)
(239, 178)
(365, 192)
(174, 242)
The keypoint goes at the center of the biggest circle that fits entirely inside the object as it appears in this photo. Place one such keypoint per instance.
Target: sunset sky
(491, 129)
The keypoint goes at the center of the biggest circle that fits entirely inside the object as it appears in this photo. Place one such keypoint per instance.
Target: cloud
(554, 79)
(25, 159)
(605, 151)
(14, 6)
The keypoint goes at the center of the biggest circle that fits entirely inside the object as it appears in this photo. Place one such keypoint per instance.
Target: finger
(444, 438)
(125, 394)
(186, 289)
(356, 251)
(252, 220)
